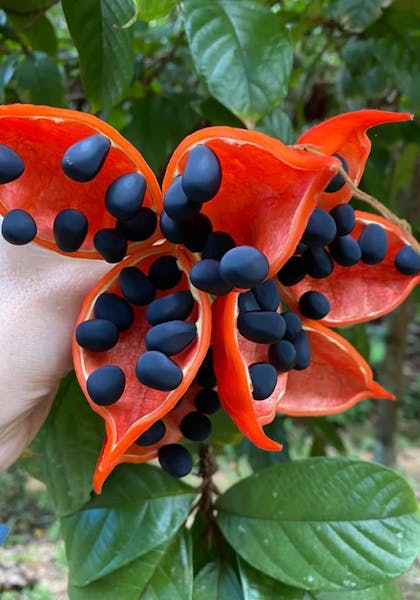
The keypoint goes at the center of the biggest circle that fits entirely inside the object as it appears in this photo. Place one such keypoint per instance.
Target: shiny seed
(164, 273)
(247, 302)
(177, 305)
(70, 229)
(106, 385)
(140, 227)
(97, 335)
(202, 177)
(314, 305)
(196, 232)
(177, 205)
(338, 181)
(244, 267)
(293, 324)
(344, 217)
(110, 244)
(218, 243)
(18, 227)
(345, 251)
(407, 261)
(207, 401)
(112, 307)
(318, 263)
(282, 356)
(267, 295)
(262, 327)
(125, 195)
(135, 286)
(195, 426)
(11, 165)
(320, 230)
(171, 337)
(153, 435)
(264, 380)
(373, 244)
(157, 371)
(303, 351)
(293, 271)
(175, 459)
(205, 275)
(83, 160)
(205, 375)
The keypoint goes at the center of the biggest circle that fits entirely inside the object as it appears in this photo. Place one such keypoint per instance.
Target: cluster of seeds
(123, 200)
(260, 322)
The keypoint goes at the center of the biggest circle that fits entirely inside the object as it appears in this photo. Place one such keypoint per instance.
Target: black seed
(262, 327)
(345, 250)
(293, 325)
(172, 230)
(373, 243)
(264, 380)
(320, 230)
(318, 263)
(106, 385)
(135, 286)
(140, 227)
(115, 309)
(293, 271)
(407, 261)
(11, 165)
(177, 205)
(205, 275)
(300, 248)
(282, 356)
(202, 176)
(18, 227)
(157, 371)
(83, 160)
(244, 267)
(164, 273)
(338, 181)
(195, 426)
(247, 302)
(171, 337)
(267, 295)
(175, 460)
(70, 229)
(196, 232)
(153, 435)
(303, 351)
(207, 401)
(205, 375)
(97, 335)
(125, 195)
(177, 305)
(314, 305)
(110, 244)
(345, 220)
(218, 243)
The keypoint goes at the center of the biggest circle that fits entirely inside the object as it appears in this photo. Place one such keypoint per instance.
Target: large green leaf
(65, 451)
(356, 14)
(217, 581)
(139, 509)
(323, 524)
(386, 591)
(154, 9)
(26, 6)
(39, 80)
(257, 586)
(104, 47)
(243, 53)
(278, 125)
(37, 33)
(7, 70)
(164, 572)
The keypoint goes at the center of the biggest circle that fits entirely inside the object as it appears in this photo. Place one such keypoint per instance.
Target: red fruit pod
(41, 136)
(137, 405)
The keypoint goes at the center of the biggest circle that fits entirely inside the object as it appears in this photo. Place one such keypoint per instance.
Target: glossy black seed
(345, 250)
(264, 379)
(247, 302)
(314, 305)
(267, 295)
(373, 243)
(175, 460)
(293, 271)
(172, 230)
(115, 309)
(70, 229)
(171, 337)
(293, 325)
(205, 275)
(207, 401)
(300, 248)
(106, 385)
(345, 220)
(407, 261)
(97, 335)
(282, 356)
(18, 227)
(135, 286)
(83, 160)
(318, 263)
(195, 426)
(196, 233)
(177, 305)
(110, 244)
(11, 165)
(164, 273)
(338, 181)
(153, 435)
(177, 205)
(157, 371)
(205, 375)
(244, 267)
(124, 197)
(203, 175)
(320, 230)
(140, 227)
(303, 351)
(262, 327)
(218, 243)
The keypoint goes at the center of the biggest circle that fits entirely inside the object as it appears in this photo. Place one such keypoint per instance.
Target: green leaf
(386, 591)
(164, 572)
(257, 586)
(356, 14)
(217, 581)
(243, 53)
(7, 70)
(25, 6)
(65, 451)
(39, 80)
(139, 509)
(104, 47)
(149, 10)
(324, 524)
(37, 33)
(278, 125)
